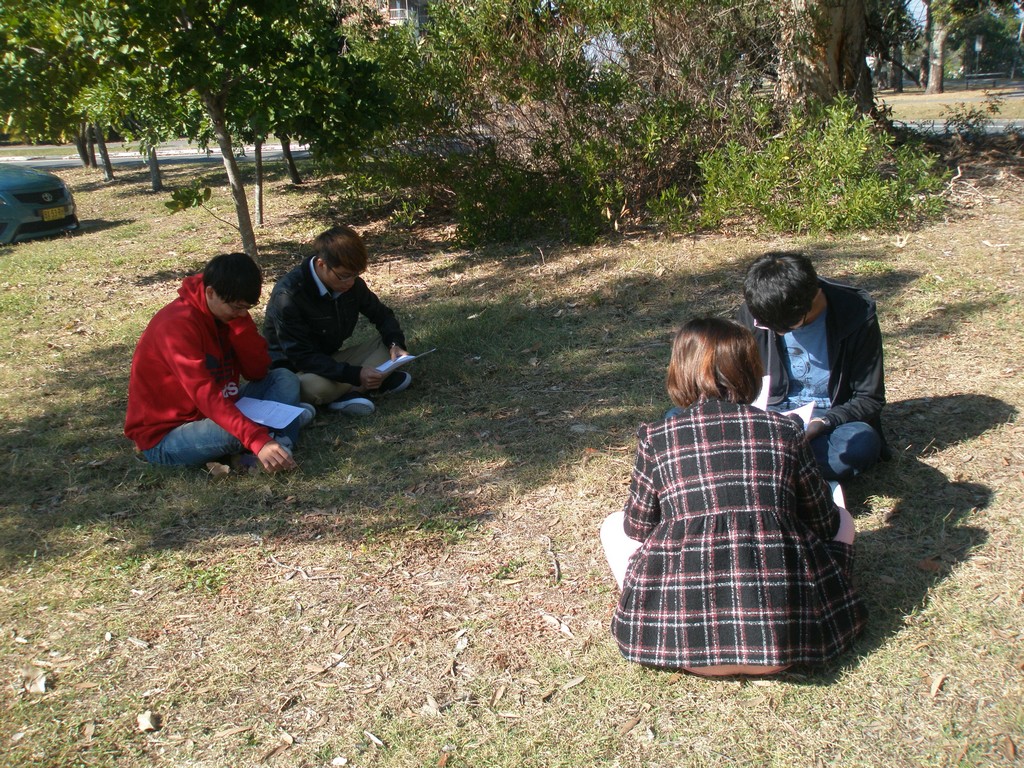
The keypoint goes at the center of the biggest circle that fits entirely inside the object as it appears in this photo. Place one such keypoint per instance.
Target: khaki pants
(320, 391)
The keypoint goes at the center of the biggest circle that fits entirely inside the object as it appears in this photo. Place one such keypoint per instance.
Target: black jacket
(856, 383)
(304, 329)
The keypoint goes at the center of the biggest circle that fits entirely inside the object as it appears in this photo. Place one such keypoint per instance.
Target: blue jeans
(843, 453)
(197, 442)
(847, 450)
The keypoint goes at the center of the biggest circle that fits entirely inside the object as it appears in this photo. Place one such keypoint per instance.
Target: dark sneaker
(352, 404)
(396, 382)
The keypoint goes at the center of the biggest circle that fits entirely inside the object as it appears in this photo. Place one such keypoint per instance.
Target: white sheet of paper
(398, 362)
(761, 401)
(267, 412)
(803, 412)
(837, 493)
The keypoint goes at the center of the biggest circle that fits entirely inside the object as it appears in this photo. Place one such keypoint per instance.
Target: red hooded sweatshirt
(187, 366)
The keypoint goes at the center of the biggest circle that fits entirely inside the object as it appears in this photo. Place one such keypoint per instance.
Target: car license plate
(52, 214)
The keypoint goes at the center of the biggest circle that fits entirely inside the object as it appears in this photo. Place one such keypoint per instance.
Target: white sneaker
(352, 404)
(308, 415)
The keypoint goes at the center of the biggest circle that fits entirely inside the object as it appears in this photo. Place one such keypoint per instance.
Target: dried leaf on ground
(937, 682)
(496, 697)
(33, 679)
(231, 731)
(1009, 748)
(629, 725)
(148, 721)
(573, 683)
(430, 708)
(217, 470)
(556, 623)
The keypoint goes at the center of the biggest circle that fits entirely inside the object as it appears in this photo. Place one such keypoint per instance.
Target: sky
(917, 10)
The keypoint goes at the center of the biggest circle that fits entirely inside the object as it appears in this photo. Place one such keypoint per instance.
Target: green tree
(43, 70)
(944, 17)
(144, 110)
(891, 28)
(230, 55)
(987, 41)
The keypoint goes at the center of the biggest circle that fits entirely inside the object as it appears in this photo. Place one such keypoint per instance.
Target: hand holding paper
(268, 413)
(398, 362)
(803, 413)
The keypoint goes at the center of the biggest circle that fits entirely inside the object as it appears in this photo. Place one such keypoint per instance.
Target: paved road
(995, 126)
(272, 152)
(134, 159)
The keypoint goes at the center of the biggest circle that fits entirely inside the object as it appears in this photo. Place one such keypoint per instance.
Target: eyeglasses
(343, 277)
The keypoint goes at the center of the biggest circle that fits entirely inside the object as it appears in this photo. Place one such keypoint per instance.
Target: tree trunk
(101, 143)
(156, 182)
(822, 50)
(896, 70)
(215, 107)
(923, 67)
(82, 145)
(258, 159)
(937, 58)
(289, 161)
(90, 143)
(1016, 55)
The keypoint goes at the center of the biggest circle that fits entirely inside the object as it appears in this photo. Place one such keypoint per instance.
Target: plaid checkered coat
(737, 564)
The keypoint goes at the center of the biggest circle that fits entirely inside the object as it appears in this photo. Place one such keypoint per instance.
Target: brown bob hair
(342, 247)
(714, 358)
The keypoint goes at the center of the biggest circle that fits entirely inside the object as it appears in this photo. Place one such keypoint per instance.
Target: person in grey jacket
(820, 342)
(314, 309)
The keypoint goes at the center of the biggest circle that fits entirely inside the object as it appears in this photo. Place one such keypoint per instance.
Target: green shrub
(970, 122)
(829, 170)
(573, 119)
(672, 210)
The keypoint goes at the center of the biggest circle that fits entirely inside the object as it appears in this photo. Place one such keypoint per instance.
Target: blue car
(33, 204)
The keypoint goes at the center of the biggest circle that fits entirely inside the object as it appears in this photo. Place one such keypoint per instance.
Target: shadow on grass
(91, 226)
(524, 382)
(529, 376)
(923, 539)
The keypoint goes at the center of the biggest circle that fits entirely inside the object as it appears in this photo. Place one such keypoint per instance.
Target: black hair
(780, 288)
(235, 277)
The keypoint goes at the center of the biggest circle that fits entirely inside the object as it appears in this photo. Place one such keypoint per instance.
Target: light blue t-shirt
(806, 359)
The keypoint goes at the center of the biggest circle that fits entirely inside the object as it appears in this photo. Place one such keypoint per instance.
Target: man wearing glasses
(187, 375)
(313, 311)
(820, 343)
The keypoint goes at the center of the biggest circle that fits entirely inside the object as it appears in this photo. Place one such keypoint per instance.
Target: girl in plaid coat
(731, 555)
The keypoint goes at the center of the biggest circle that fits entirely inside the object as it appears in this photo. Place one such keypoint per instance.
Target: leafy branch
(195, 195)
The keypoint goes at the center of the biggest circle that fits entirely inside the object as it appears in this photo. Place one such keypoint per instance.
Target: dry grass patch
(428, 590)
(914, 104)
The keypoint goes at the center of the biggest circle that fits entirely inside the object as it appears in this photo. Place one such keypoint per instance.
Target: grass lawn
(428, 589)
(914, 104)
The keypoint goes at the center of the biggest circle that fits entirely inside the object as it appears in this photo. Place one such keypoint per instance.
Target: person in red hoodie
(188, 368)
